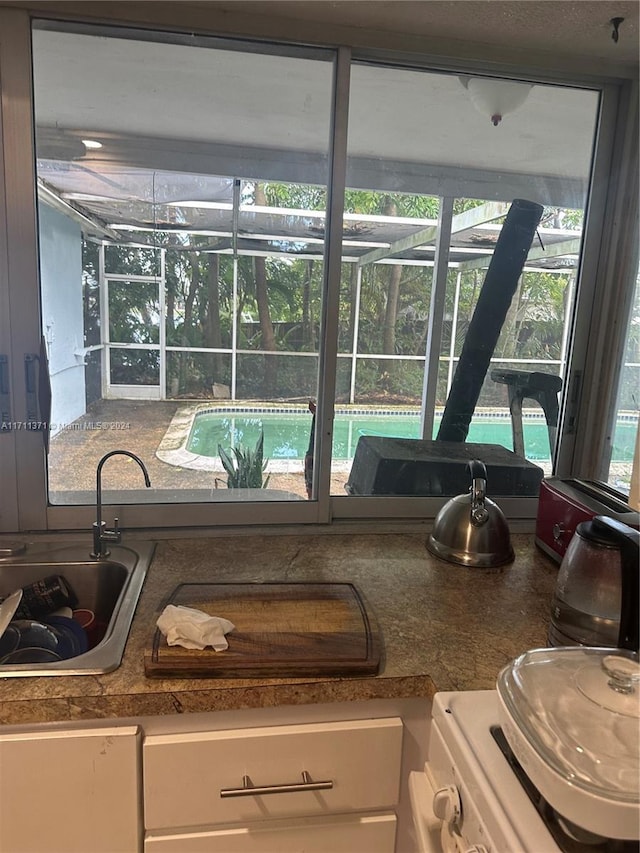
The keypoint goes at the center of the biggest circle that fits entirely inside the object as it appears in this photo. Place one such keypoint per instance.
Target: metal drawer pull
(250, 790)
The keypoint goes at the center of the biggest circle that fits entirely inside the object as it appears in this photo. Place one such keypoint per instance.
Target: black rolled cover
(495, 297)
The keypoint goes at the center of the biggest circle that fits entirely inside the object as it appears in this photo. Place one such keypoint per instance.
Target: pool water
(286, 435)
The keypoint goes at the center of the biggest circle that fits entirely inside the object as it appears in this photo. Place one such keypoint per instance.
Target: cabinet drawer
(345, 834)
(184, 774)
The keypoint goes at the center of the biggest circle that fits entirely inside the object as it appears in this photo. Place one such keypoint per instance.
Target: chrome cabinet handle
(250, 790)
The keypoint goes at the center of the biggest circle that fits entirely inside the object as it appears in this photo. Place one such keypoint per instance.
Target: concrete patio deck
(138, 426)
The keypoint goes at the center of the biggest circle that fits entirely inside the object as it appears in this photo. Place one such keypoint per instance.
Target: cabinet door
(352, 834)
(194, 779)
(70, 791)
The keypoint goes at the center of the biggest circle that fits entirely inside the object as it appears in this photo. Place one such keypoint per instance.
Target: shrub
(246, 467)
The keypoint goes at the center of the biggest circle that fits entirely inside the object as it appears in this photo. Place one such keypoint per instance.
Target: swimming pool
(286, 434)
(193, 436)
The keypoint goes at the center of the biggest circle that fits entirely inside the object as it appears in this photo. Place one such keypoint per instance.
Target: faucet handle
(112, 534)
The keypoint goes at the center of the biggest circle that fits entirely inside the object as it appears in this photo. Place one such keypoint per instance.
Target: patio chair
(542, 387)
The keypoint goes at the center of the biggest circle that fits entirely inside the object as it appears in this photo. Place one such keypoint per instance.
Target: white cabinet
(340, 834)
(326, 780)
(324, 786)
(70, 790)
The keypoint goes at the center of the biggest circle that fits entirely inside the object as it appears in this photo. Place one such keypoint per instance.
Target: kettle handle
(477, 469)
(479, 512)
(629, 541)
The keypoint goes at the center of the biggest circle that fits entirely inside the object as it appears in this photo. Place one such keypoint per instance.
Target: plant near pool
(246, 467)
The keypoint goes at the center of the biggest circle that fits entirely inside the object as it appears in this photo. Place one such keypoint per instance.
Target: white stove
(469, 798)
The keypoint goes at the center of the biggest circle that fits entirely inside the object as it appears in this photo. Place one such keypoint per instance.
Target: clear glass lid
(579, 708)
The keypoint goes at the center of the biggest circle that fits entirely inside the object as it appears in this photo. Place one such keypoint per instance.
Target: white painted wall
(62, 320)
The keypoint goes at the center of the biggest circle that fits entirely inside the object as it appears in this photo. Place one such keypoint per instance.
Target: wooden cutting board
(281, 629)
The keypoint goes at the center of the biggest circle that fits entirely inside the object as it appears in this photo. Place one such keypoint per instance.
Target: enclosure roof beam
(556, 250)
(88, 224)
(487, 212)
(424, 235)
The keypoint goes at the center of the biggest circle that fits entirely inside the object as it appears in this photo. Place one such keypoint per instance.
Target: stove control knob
(446, 805)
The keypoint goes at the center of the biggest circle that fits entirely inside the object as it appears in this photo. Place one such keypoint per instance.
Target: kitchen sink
(109, 587)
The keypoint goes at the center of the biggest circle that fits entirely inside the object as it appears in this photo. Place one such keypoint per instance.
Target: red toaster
(563, 504)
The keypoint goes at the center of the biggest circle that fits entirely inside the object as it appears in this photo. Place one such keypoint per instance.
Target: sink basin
(109, 587)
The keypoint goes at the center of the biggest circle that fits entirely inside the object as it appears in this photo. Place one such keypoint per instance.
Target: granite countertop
(444, 627)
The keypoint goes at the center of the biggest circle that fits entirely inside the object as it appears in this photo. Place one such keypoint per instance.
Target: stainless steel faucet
(101, 533)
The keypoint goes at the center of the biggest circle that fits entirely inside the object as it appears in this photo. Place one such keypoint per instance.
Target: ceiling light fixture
(496, 98)
(91, 143)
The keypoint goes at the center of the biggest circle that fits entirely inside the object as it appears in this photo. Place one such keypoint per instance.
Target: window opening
(219, 305)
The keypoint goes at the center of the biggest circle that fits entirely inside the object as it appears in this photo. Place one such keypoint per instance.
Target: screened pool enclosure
(183, 322)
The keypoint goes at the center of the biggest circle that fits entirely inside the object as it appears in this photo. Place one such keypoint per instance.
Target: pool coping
(173, 446)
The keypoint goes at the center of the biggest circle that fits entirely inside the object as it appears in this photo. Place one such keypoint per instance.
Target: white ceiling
(563, 28)
(578, 28)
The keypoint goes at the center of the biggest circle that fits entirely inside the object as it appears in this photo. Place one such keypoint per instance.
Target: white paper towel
(193, 629)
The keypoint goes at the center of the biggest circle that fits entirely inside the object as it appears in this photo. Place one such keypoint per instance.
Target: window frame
(23, 459)
(609, 266)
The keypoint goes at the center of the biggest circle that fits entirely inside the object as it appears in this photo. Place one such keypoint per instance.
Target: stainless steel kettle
(471, 529)
(595, 601)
